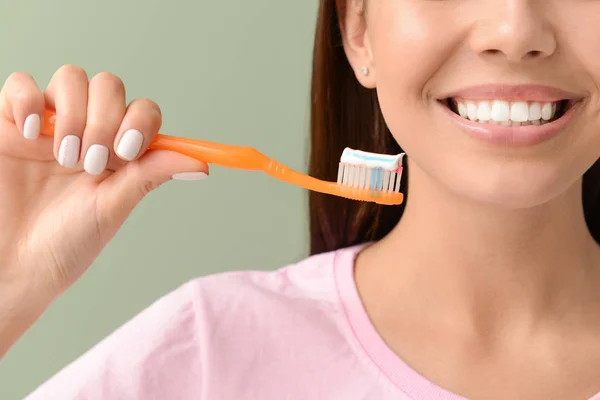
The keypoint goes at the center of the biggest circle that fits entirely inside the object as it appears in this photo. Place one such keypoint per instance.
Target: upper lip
(538, 93)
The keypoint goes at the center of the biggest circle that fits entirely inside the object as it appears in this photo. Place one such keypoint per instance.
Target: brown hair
(345, 114)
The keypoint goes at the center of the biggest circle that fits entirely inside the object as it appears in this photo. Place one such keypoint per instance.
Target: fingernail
(96, 159)
(31, 128)
(68, 154)
(190, 176)
(130, 144)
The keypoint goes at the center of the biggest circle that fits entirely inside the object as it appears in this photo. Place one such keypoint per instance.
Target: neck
(489, 264)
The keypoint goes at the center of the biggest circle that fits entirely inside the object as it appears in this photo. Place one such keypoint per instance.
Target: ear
(356, 42)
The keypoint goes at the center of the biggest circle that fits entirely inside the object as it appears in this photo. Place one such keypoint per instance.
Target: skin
(489, 284)
(56, 220)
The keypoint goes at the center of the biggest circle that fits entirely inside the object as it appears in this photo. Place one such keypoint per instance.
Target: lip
(538, 93)
(517, 136)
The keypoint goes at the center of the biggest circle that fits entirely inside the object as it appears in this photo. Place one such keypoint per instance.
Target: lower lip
(529, 135)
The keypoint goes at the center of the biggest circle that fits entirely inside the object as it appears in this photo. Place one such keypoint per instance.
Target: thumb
(122, 191)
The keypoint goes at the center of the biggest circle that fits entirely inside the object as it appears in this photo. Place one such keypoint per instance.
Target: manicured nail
(96, 159)
(190, 176)
(130, 145)
(31, 128)
(68, 154)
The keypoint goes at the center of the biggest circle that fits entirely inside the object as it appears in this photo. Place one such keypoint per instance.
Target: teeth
(499, 112)
(462, 110)
(547, 111)
(535, 112)
(472, 111)
(519, 111)
(484, 111)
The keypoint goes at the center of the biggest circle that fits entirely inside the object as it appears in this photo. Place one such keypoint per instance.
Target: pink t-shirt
(297, 333)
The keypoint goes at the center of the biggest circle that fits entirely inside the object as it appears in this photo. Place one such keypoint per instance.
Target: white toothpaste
(372, 160)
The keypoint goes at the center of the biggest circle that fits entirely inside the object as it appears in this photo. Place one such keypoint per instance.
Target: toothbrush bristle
(374, 179)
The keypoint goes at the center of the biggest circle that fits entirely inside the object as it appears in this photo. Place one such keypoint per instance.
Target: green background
(234, 71)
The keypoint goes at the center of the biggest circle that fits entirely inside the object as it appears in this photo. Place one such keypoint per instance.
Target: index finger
(22, 103)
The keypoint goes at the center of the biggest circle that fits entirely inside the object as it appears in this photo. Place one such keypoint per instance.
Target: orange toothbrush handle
(239, 157)
(242, 157)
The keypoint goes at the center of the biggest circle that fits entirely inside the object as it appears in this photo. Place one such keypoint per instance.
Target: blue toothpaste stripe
(366, 157)
(377, 179)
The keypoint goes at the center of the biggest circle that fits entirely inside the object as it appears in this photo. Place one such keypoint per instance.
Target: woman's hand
(63, 198)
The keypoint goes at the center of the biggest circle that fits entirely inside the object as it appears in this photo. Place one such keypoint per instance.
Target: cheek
(411, 42)
(580, 50)
(580, 36)
(579, 33)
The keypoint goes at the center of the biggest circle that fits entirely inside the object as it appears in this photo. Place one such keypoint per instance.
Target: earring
(364, 70)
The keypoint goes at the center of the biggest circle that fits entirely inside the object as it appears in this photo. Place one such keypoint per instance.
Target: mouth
(511, 122)
(509, 113)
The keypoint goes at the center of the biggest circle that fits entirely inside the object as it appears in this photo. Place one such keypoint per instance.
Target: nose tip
(515, 55)
(515, 34)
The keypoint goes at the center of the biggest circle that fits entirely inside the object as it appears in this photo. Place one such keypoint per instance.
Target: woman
(483, 285)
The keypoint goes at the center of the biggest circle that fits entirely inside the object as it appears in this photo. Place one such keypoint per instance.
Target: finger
(67, 93)
(106, 109)
(22, 103)
(122, 191)
(138, 129)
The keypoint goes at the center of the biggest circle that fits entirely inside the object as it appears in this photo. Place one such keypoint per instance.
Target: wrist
(19, 309)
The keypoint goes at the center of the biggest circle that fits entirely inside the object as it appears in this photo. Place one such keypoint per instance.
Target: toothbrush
(364, 170)
(362, 176)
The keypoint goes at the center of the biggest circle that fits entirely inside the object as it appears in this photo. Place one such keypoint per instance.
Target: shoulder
(217, 320)
(310, 280)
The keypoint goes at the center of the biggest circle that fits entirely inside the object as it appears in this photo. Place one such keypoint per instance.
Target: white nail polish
(190, 176)
(31, 128)
(130, 145)
(68, 154)
(96, 159)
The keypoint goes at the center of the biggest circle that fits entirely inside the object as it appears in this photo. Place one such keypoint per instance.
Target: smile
(510, 117)
(501, 112)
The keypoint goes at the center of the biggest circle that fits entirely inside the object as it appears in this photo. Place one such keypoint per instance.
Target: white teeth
(535, 112)
(547, 111)
(462, 110)
(500, 112)
(484, 111)
(519, 111)
(472, 111)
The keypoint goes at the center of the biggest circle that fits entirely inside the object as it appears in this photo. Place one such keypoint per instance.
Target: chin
(513, 186)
